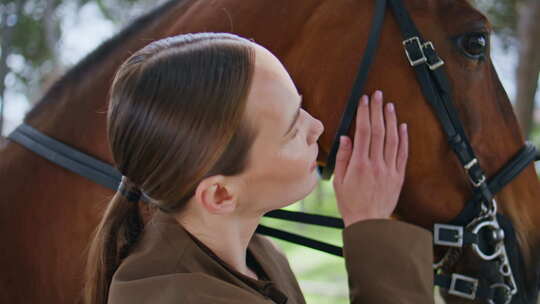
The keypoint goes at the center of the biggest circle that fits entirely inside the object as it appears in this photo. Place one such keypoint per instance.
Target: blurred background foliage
(32, 35)
(34, 52)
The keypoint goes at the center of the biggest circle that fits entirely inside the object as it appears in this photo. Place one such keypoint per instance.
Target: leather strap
(513, 167)
(107, 176)
(358, 87)
(66, 157)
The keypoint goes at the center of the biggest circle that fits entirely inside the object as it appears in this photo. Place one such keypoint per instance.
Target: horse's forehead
(459, 11)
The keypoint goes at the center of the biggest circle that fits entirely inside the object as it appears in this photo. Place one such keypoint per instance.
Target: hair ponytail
(118, 231)
(175, 116)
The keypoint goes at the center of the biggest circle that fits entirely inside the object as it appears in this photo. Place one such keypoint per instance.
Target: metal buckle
(479, 183)
(437, 235)
(438, 63)
(468, 167)
(417, 61)
(459, 277)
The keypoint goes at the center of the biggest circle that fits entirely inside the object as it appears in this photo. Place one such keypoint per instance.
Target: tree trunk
(529, 63)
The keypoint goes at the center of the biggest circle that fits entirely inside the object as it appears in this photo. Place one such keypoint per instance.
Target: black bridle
(478, 225)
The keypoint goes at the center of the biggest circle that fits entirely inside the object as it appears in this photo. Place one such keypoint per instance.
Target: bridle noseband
(479, 225)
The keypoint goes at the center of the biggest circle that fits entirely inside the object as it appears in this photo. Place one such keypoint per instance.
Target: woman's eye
(473, 45)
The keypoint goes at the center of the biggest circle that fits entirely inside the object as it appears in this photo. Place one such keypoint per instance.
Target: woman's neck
(226, 236)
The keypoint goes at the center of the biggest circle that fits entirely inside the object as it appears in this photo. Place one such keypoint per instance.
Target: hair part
(176, 116)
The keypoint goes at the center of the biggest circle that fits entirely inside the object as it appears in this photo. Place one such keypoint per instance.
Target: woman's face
(282, 161)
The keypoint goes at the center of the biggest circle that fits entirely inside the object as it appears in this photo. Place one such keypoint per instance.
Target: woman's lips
(314, 165)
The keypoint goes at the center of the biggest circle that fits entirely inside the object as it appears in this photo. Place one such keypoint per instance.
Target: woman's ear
(215, 195)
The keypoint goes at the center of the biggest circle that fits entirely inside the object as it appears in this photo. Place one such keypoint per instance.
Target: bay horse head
(437, 188)
(321, 43)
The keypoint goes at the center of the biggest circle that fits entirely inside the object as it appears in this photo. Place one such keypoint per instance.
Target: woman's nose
(316, 131)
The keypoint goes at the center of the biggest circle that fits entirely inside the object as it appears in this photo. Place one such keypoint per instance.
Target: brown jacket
(387, 262)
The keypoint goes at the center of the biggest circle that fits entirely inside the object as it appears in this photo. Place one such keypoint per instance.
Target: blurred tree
(9, 13)
(503, 16)
(518, 20)
(25, 27)
(30, 32)
(528, 68)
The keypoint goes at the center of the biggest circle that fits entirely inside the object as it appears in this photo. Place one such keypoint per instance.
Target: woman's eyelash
(295, 132)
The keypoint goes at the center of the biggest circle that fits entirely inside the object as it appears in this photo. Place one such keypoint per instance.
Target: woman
(208, 128)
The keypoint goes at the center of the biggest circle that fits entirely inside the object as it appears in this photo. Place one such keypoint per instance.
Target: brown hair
(176, 116)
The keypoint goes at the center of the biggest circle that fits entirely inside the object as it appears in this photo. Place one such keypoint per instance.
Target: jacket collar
(166, 247)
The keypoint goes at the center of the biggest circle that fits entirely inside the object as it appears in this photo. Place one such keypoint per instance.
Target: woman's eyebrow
(295, 118)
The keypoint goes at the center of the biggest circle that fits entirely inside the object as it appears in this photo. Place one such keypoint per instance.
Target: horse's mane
(75, 73)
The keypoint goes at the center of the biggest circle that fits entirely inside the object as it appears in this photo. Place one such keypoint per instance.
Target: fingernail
(342, 141)
(365, 100)
(404, 127)
(378, 94)
(390, 107)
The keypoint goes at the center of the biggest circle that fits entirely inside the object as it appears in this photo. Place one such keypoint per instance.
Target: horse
(47, 213)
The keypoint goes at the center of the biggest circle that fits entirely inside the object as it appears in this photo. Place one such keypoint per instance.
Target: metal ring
(505, 269)
(508, 292)
(499, 250)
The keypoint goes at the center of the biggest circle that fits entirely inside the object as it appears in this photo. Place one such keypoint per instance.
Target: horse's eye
(473, 45)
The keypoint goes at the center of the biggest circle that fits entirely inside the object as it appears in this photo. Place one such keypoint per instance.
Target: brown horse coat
(47, 214)
(386, 260)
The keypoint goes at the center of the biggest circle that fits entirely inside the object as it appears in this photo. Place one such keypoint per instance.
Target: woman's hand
(369, 176)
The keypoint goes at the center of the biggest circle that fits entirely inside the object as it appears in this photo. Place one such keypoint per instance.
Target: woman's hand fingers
(377, 127)
(342, 159)
(403, 150)
(391, 139)
(366, 183)
(362, 135)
